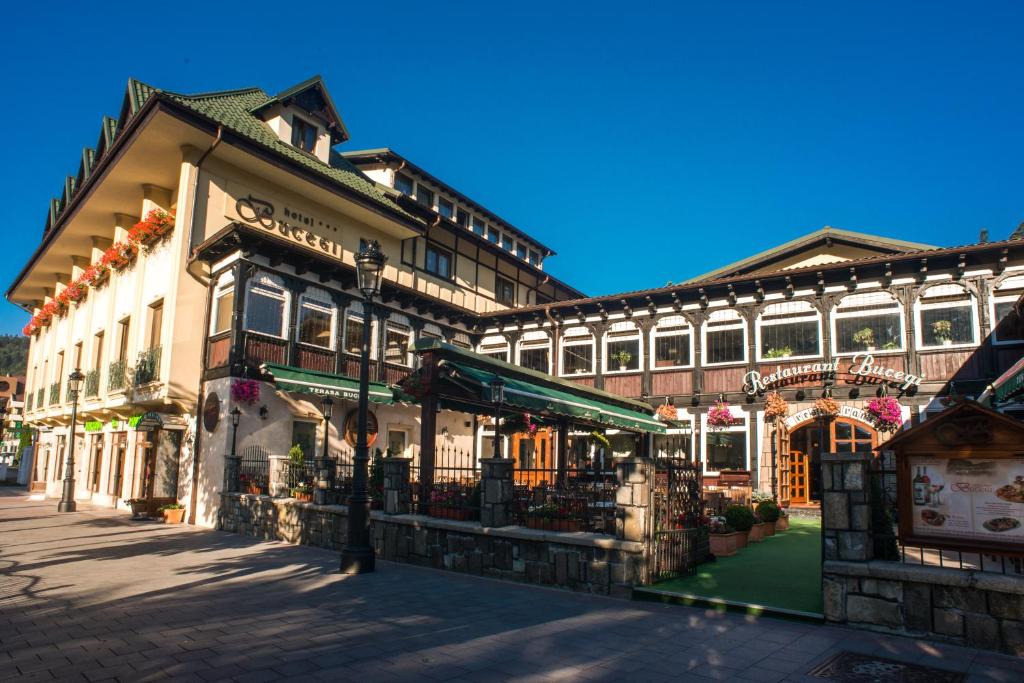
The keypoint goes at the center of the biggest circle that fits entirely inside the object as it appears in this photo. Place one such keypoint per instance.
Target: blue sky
(644, 142)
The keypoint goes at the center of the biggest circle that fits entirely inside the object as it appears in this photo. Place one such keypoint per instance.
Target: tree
(13, 354)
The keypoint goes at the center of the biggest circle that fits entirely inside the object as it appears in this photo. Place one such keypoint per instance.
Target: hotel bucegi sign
(283, 221)
(862, 369)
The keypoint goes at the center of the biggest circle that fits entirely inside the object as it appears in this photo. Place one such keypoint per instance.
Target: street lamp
(497, 398)
(236, 415)
(357, 555)
(67, 499)
(323, 467)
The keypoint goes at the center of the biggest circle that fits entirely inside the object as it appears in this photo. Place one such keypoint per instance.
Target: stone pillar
(397, 490)
(232, 471)
(496, 491)
(633, 509)
(325, 469)
(846, 506)
(278, 482)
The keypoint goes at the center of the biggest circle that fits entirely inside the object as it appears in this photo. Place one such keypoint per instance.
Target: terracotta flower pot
(782, 523)
(769, 529)
(756, 534)
(174, 516)
(724, 545)
(742, 539)
(303, 496)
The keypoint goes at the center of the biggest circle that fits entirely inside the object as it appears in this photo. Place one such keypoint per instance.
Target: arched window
(317, 318)
(534, 351)
(622, 351)
(867, 323)
(671, 343)
(461, 339)
(354, 322)
(1007, 327)
(266, 305)
(577, 352)
(494, 346)
(725, 338)
(431, 331)
(791, 329)
(397, 337)
(945, 317)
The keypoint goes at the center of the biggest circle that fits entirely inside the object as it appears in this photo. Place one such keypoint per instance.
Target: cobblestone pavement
(93, 596)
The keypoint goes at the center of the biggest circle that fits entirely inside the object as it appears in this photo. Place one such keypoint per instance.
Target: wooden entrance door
(95, 462)
(534, 459)
(118, 449)
(161, 449)
(799, 477)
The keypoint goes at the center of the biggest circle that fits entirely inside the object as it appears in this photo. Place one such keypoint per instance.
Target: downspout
(197, 441)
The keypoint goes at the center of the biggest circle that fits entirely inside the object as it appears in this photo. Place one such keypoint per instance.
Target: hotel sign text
(862, 368)
(293, 225)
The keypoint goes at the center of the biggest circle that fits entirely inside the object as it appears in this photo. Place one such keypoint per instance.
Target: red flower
(157, 224)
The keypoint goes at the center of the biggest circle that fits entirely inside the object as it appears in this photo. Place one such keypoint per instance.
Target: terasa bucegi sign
(291, 224)
(862, 368)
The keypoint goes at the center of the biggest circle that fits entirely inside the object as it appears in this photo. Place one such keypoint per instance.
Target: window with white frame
(506, 242)
(725, 338)
(431, 331)
(266, 305)
(577, 351)
(534, 352)
(726, 449)
(353, 337)
(461, 339)
(438, 261)
(494, 346)
(1007, 327)
(867, 323)
(677, 441)
(316, 318)
(671, 343)
(622, 348)
(791, 329)
(396, 343)
(446, 208)
(479, 226)
(223, 303)
(945, 317)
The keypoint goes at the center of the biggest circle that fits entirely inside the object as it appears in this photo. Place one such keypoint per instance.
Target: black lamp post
(497, 398)
(236, 415)
(324, 466)
(67, 499)
(357, 555)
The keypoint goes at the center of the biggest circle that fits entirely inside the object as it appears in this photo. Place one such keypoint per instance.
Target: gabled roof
(826, 237)
(300, 94)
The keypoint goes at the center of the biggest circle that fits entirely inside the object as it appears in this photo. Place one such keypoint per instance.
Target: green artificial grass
(783, 571)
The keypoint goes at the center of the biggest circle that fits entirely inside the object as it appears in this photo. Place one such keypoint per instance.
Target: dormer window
(304, 135)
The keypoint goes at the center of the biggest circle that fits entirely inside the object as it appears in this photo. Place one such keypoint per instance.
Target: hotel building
(202, 259)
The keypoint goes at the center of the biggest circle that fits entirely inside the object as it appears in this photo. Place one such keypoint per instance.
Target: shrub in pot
(740, 518)
(139, 507)
(722, 538)
(173, 513)
(782, 523)
(768, 511)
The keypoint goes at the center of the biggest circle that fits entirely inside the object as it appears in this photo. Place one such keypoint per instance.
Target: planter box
(756, 534)
(305, 497)
(174, 516)
(254, 489)
(552, 524)
(724, 545)
(139, 510)
(742, 539)
(769, 529)
(782, 523)
(458, 514)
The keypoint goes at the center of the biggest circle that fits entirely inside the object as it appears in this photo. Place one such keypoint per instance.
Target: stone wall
(977, 609)
(579, 561)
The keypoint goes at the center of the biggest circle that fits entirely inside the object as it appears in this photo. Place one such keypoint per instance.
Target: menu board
(977, 499)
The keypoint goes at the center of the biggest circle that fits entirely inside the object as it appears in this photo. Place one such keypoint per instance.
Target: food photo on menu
(980, 498)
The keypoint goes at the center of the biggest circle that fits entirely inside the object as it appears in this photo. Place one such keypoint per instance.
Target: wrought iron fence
(885, 516)
(147, 367)
(254, 469)
(455, 492)
(92, 383)
(681, 540)
(40, 394)
(116, 375)
(54, 393)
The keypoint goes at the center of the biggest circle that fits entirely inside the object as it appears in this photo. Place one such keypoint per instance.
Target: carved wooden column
(598, 330)
(236, 354)
(645, 327)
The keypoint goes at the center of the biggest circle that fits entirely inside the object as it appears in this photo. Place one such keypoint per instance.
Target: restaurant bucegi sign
(862, 369)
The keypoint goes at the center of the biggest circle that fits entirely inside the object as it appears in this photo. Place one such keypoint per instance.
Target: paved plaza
(93, 596)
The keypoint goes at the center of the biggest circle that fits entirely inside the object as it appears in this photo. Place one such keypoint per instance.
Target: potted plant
(768, 511)
(757, 530)
(943, 331)
(782, 523)
(782, 352)
(865, 336)
(722, 537)
(173, 513)
(139, 507)
(622, 358)
(303, 492)
(740, 518)
(886, 412)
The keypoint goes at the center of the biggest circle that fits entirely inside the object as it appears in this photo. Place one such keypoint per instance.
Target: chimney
(983, 237)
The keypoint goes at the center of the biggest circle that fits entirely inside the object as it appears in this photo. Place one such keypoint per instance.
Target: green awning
(288, 378)
(1009, 384)
(544, 401)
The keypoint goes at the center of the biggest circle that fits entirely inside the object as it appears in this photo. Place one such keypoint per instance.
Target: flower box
(756, 534)
(254, 489)
(303, 496)
(782, 523)
(724, 545)
(742, 538)
(457, 514)
(553, 524)
(139, 508)
(769, 529)
(174, 516)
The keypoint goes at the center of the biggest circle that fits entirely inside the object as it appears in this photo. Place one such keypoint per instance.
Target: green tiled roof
(232, 109)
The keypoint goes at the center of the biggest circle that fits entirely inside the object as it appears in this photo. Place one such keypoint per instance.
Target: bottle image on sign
(922, 484)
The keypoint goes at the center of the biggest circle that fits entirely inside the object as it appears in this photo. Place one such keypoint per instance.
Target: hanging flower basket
(826, 407)
(775, 405)
(157, 225)
(245, 391)
(719, 417)
(667, 411)
(886, 412)
(519, 424)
